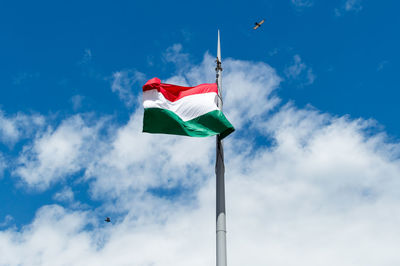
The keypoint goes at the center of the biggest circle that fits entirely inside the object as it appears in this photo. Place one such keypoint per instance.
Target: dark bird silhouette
(107, 220)
(258, 24)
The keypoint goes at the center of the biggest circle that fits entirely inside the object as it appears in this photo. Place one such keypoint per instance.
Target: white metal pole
(220, 176)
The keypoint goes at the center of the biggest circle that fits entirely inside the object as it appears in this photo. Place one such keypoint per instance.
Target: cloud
(15, 127)
(349, 6)
(353, 5)
(46, 237)
(65, 195)
(76, 101)
(123, 83)
(130, 166)
(302, 3)
(174, 55)
(324, 192)
(3, 164)
(299, 71)
(68, 243)
(56, 153)
(7, 221)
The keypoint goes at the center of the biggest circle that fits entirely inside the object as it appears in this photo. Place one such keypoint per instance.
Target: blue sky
(352, 55)
(319, 124)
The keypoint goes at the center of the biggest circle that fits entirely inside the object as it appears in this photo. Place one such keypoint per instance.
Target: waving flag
(189, 111)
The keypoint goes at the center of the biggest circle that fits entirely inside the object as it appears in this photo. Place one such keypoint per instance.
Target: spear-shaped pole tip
(219, 48)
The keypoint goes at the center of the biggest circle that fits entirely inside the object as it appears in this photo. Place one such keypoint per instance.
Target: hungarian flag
(189, 111)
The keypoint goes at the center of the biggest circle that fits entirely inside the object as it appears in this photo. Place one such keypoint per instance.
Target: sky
(312, 170)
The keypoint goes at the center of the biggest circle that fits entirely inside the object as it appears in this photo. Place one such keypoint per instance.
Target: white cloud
(353, 5)
(3, 165)
(131, 165)
(65, 195)
(57, 153)
(124, 82)
(299, 71)
(349, 6)
(54, 236)
(76, 101)
(175, 55)
(324, 193)
(13, 128)
(7, 221)
(302, 3)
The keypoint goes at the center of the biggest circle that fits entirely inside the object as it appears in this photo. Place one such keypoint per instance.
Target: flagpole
(220, 175)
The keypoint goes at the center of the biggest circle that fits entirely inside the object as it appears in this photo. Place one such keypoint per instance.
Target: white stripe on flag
(186, 108)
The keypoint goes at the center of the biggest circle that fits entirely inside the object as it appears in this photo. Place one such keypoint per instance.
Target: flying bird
(258, 24)
(107, 220)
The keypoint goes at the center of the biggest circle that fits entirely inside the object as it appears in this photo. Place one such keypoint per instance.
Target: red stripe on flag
(173, 92)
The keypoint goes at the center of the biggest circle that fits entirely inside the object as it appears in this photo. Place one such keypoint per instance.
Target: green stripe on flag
(157, 120)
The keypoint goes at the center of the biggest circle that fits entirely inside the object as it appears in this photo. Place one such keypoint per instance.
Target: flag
(188, 111)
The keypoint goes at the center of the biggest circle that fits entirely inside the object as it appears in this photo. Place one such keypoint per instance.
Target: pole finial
(218, 68)
(219, 48)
